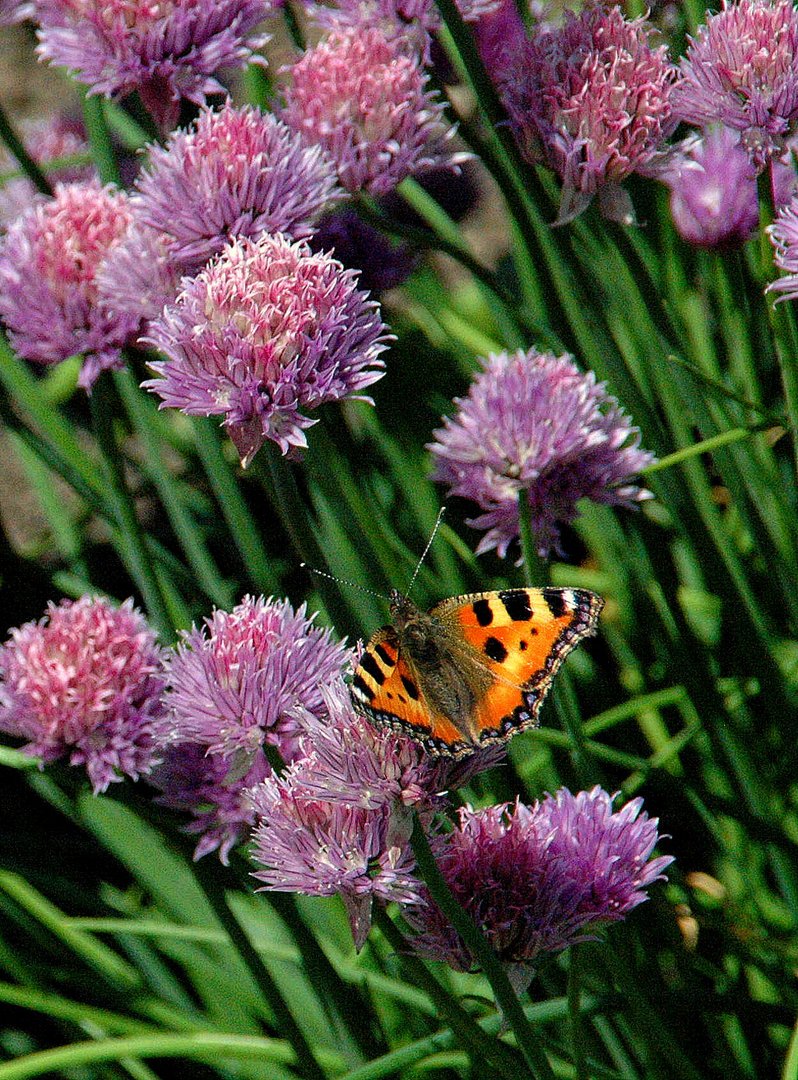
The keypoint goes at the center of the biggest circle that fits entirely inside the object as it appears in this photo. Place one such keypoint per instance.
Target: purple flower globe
(784, 238)
(265, 334)
(85, 683)
(166, 50)
(140, 280)
(237, 172)
(533, 422)
(592, 100)
(49, 260)
(741, 70)
(537, 879)
(361, 94)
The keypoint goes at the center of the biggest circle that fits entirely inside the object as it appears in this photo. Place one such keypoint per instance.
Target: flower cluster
(592, 100)
(85, 683)
(741, 70)
(361, 95)
(166, 50)
(784, 237)
(266, 333)
(537, 879)
(49, 260)
(532, 422)
(46, 141)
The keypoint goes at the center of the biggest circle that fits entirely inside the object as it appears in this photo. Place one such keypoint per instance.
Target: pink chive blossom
(164, 49)
(84, 683)
(249, 677)
(533, 422)
(714, 199)
(537, 879)
(265, 334)
(214, 790)
(741, 70)
(592, 100)
(46, 140)
(362, 96)
(784, 238)
(49, 260)
(236, 172)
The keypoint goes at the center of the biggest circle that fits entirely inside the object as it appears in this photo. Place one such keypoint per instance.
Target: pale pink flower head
(536, 879)
(592, 100)
(85, 683)
(741, 70)
(265, 334)
(534, 423)
(49, 260)
(250, 677)
(139, 280)
(236, 172)
(362, 96)
(164, 49)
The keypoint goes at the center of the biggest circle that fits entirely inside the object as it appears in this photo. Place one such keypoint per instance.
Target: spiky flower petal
(741, 70)
(237, 172)
(533, 422)
(265, 334)
(361, 94)
(49, 260)
(164, 49)
(591, 99)
(85, 683)
(537, 879)
(784, 237)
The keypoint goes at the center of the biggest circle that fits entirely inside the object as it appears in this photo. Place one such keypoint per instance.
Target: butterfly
(474, 670)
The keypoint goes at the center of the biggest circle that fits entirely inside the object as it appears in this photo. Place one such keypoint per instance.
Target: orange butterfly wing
(522, 636)
(388, 692)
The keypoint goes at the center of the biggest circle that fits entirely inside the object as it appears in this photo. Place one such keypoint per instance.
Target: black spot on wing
(516, 603)
(361, 687)
(387, 658)
(555, 601)
(495, 650)
(370, 665)
(411, 688)
(483, 612)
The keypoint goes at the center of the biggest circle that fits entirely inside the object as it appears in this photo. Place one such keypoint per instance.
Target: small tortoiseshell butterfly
(475, 669)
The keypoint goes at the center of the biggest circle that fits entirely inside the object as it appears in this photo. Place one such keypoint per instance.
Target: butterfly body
(475, 669)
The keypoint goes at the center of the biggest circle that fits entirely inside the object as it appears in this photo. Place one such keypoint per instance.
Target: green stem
(100, 139)
(104, 404)
(208, 878)
(472, 1037)
(574, 1013)
(17, 148)
(478, 946)
(240, 522)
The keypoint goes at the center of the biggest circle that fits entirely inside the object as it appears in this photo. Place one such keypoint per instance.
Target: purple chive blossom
(362, 96)
(49, 259)
(784, 237)
(323, 848)
(164, 49)
(140, 279)
(714, 199)
(248, 676)
(533, 422)
(266, 333)
(45, 140)
(537, 879)
(591, 99)
(12, 11)
(237, 172)
(213, 790)
(85, 683)
(741, 70)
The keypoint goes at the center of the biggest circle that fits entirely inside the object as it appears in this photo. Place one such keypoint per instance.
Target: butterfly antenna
(420, 562)
(344, 581)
